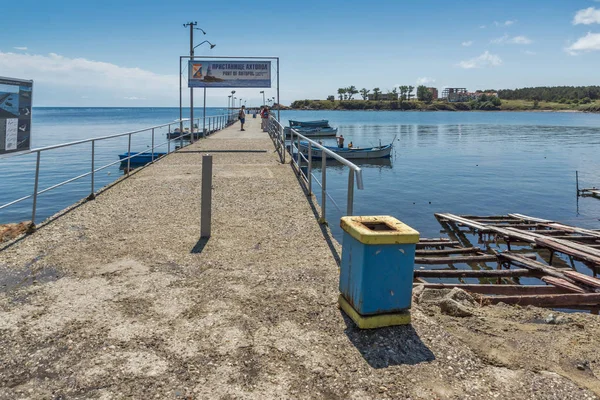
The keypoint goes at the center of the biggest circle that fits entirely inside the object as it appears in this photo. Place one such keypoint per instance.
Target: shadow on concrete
(386, 347)
(199, 247)
(220, 151)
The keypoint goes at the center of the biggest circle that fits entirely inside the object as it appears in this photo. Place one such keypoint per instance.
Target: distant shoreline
(454, 111)
(415, 105)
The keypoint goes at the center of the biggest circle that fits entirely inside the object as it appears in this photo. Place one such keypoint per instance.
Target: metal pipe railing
(93, 170)
(278, 134)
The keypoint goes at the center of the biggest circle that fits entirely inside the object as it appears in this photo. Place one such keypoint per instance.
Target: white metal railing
(211, 124)
(297, 159)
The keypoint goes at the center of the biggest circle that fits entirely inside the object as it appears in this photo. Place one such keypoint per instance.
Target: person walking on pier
(264, 115)
(242, 117)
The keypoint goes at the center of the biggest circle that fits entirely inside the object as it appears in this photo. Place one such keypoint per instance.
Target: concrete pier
(119, 298)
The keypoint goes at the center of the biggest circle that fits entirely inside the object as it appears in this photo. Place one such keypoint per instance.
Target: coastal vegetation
(417, 105)
(559, 98)
(556, 94)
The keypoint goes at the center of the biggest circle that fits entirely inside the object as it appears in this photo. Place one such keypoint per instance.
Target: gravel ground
(118, 298)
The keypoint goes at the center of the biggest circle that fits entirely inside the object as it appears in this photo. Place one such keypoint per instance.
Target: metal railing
(211, 123)
(298, 158)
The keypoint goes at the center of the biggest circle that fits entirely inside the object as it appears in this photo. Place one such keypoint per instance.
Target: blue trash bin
(376, 277)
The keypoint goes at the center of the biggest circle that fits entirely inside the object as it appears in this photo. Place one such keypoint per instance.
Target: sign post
(15, 115)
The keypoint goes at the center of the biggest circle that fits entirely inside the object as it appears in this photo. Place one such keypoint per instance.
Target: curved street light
(212, 46)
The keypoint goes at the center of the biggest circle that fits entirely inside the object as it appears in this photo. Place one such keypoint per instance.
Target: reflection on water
(469, 163)
(363, 163)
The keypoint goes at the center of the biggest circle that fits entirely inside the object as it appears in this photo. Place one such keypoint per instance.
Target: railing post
(129, 155)
(323, 185)
(282, 139)
(181, 138)
(152, 145)
(309, 170)
(35, 188)
(291, 146)
(299, 156)
(93, 173)
(169, 140)
(350, 205)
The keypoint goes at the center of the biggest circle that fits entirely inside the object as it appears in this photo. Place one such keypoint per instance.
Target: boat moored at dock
(351, 153)
(311, 128)
(139, 159)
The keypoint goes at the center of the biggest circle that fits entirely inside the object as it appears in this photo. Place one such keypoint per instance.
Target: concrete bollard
(376, 277)
(206, 196)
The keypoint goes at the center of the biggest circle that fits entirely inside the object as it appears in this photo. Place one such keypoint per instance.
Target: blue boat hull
(138, 159)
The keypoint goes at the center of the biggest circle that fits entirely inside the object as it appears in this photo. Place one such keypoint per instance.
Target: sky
(126, 53)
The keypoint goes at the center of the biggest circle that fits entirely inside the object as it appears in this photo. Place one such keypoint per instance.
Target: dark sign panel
(229, 74)
(15, 115)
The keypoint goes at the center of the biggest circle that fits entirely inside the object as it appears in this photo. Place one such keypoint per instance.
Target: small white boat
(351, 153)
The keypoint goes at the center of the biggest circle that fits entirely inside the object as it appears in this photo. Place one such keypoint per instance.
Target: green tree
(424, 94)
(364, 93)
(421, 89)
(351, 90)
(331, 98)
(403, 90)
(376, 93)
(410, 90)
(341, 93)
(395, 93)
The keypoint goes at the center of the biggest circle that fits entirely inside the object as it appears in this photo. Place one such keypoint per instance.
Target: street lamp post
(263, 93)
(232, 100)
(192, 26)
(212, 46)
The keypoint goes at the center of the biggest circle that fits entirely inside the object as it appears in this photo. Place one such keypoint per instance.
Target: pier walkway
(127, 302)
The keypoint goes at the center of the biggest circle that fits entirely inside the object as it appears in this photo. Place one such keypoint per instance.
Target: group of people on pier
(264, 115)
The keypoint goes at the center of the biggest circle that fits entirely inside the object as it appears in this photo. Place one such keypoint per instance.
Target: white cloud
(529, 53)
(20, 48)
(505, 23)
(499, 40)
(484, 60)
(55, 69)
(425, 80)
(521, 40)
(589, 42)
(587, 16)
(467, 43)
(482, 26)
(135, 98)
(512, 40)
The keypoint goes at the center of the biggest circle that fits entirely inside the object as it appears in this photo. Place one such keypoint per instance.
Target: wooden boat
(353, 153)
(312, 132)
(323, 123)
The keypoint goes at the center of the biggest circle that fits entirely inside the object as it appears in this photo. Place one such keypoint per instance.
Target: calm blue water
(481, 163)
(465, 163)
